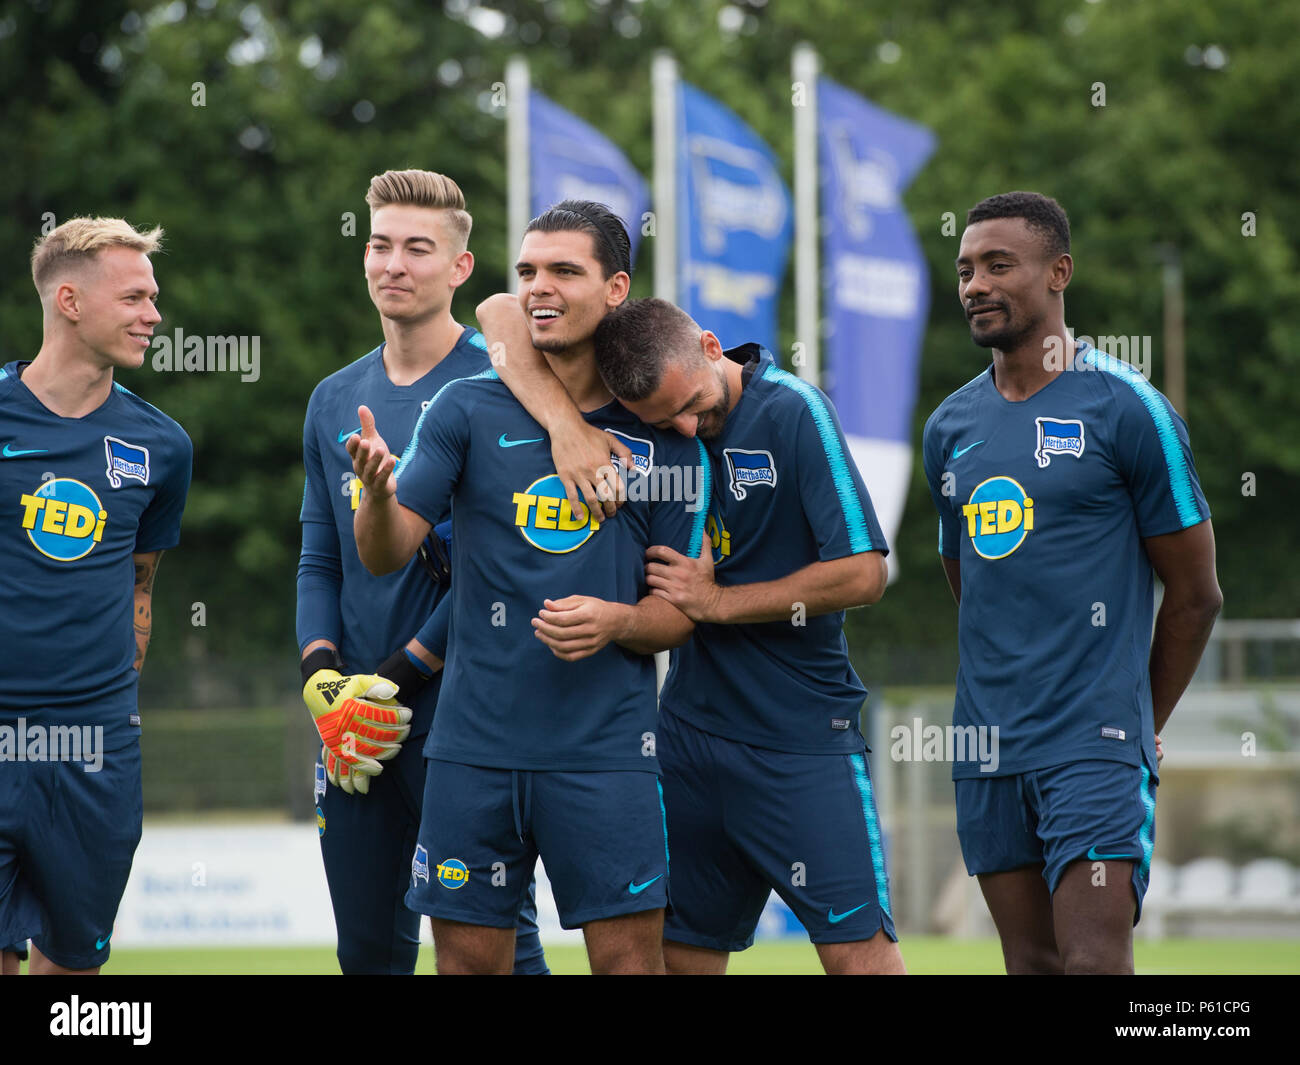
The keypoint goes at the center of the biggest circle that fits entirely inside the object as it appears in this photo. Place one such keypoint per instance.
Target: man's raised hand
(372, 462)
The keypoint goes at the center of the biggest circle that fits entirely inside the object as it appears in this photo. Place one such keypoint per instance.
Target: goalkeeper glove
(359, 721)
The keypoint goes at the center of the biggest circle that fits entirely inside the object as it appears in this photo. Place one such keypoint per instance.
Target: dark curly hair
(1041, 213)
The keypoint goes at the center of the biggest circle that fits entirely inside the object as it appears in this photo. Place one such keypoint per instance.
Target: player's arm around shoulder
(581, 451)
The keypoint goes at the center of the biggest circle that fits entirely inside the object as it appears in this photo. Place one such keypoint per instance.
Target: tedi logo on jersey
(546, 520)
(64, 519)
(1058, 436)
(125, 460)
(748, 469)
(998, 517)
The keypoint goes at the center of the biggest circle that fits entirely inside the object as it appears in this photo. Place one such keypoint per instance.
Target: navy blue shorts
(367, 842)
(1079, 811)
(67, 839)
(599, 834)
(745, 821)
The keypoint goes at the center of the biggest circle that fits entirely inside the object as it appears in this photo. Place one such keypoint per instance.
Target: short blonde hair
(78, 241)
(422, 188)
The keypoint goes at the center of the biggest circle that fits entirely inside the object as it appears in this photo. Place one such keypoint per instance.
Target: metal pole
(804, 69)
(518, 180)
(1175, 346)
(663, 83)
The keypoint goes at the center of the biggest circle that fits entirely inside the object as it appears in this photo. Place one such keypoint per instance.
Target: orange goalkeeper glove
(360, 724)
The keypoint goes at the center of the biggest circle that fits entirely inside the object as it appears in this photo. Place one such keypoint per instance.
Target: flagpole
(517, 177)
(663, 88)
(804, 69)
(663, 83)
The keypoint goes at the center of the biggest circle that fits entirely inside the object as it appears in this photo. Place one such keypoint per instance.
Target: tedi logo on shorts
(452, 873)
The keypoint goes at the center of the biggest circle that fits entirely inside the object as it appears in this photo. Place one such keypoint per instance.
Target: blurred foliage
(305, 101)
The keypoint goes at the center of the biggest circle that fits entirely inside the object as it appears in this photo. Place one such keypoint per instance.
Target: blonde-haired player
(93, 481)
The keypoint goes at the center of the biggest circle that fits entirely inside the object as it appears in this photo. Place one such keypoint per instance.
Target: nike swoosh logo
(515, 443)
(351, 432)
(10, 453)
(1092, 853)
(633, 888)
(959, 452)
(100, 944)
(836, 918)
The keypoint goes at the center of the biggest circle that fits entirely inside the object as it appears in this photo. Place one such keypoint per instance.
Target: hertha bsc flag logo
(125, 460)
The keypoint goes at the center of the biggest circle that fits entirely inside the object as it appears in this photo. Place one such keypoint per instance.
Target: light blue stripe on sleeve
(863, 780)
(703, 500)
(1180, 480)
(850, 504)
(409, 453)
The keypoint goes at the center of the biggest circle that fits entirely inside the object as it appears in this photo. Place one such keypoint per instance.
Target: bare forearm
(530, 378)
(1182, 631)
(820, 588)
(523, 369)
(143, 622)
(650, 626)
(146, 569)
(386, 537)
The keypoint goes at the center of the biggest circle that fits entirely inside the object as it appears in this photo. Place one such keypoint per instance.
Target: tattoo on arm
(146, 568)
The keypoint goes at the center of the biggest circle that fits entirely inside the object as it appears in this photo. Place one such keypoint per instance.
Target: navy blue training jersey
(366, 617)
(1046, 503)
(80, 497)
(507, 702)
(786, 494)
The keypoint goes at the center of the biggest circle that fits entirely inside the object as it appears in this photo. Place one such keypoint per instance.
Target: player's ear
(711, 346)
(462, 268)
(1062, 271)
(617, 288)
(67, 301)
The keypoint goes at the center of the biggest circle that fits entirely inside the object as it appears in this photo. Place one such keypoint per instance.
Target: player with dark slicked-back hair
(357, 635)
(94, 481)
(544, 742)
(1064, 482)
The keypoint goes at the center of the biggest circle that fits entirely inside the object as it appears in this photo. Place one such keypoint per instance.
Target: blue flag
(734, 223)
(569, 160)
(876, 285)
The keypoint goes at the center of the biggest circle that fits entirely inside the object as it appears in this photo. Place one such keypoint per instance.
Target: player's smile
(562, 288)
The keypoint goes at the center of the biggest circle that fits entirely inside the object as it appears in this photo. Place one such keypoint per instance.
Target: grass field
(925, 955)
